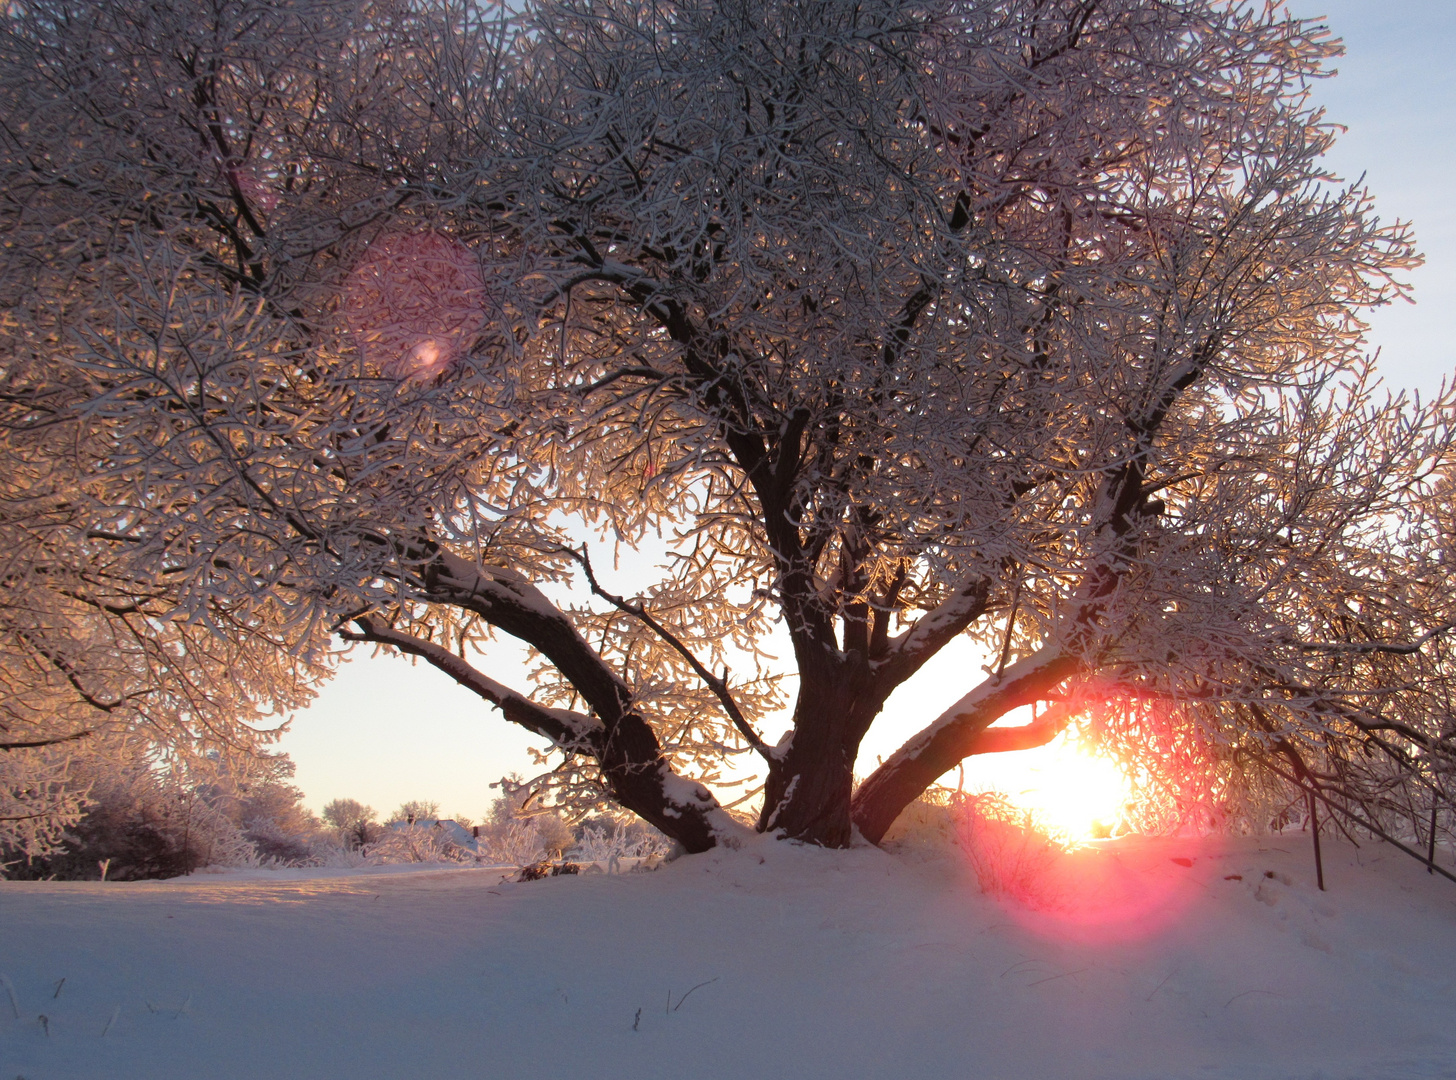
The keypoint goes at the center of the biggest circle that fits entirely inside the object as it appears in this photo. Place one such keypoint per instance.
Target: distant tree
(352, 820)
(416, 810)
(549, 830)
(1035, 321)
(256, 796)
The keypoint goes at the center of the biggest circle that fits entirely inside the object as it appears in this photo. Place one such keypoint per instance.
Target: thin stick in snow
(114, 1014)
(1160, 985)
(1319, 866)
(10, 989)
(58, 988)
(1431, 848)
(700, 985)
(1246, 993)
(1062, 975)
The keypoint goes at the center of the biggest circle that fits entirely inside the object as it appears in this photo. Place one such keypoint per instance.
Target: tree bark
(623, 744)
(811, 779)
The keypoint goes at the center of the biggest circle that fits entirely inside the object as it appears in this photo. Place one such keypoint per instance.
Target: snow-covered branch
(572, 731)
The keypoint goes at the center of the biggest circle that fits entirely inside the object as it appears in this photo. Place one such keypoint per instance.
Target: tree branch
(953, 736)
(1042, 730)
(507, 600)
(1315, 790)
(1395, 648)
(907, 653)
(571, 731)
(717, 685)
(33, 743)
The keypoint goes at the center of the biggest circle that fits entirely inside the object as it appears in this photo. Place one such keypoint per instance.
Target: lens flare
(413, 301)
(1032, 844)
(1071, 789)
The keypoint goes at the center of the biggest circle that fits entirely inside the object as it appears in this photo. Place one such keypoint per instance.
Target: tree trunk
(809, 790)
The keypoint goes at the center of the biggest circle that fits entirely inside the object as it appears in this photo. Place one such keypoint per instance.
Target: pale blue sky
(383, 732)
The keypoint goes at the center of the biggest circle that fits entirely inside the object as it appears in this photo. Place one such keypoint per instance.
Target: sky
(384, 731)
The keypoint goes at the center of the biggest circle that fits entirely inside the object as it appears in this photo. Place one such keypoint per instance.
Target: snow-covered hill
(775, 961)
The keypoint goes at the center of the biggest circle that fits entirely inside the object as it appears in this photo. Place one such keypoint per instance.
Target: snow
(772, 960)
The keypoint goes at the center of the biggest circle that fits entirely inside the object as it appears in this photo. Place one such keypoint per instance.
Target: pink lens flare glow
(1093, 891)
(412, 302)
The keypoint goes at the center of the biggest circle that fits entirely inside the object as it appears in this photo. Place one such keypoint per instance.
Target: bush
(143, 821)
(1010, 853)
(414, 843)
(595, 843)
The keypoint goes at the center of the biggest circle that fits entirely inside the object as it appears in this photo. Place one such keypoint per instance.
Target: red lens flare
(412, 301)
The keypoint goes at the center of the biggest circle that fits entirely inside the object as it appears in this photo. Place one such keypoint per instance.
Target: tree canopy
(1036, 322)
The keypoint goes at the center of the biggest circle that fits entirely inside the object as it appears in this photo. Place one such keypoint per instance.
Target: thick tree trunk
(809, 789)
(807, 796)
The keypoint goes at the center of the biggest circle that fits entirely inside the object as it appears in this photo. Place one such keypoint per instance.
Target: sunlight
(1073, 790)
(1032, 842)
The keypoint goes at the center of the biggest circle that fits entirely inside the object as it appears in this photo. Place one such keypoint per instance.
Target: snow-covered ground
(774, 961)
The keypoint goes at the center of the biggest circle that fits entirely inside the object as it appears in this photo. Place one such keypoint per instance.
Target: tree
(416, 810)
(95, 670)
(144, 818)
(352, 820)
(1034, 322)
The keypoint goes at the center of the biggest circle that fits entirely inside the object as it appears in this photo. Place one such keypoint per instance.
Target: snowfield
(773, 961)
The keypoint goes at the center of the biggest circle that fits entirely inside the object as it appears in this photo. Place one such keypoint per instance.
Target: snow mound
(1143, 958)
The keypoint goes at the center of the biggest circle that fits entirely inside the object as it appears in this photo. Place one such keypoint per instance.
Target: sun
(1072, 790)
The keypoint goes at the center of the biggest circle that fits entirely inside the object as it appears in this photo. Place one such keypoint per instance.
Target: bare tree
(1033, 322)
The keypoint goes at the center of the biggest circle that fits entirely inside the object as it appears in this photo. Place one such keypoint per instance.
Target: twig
(1160, 985)
(114, 1014)
(1246, 993)
(715, 684)
(1063, 975)
(1019, 963)
(700, 985)
(10, 989)
(32, 743)
(1356, 818)
(1403, 648)
(1431, 846)
(1319, 866)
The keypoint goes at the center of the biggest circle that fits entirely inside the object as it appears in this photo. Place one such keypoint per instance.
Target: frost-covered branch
(574, 732)
(718, 686)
